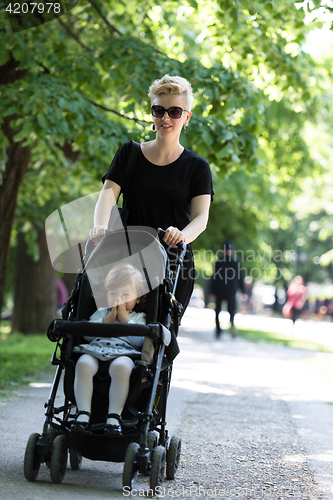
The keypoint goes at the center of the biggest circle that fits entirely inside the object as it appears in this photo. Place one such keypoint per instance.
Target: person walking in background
(227, 278)
(297, 299)
(62, 295)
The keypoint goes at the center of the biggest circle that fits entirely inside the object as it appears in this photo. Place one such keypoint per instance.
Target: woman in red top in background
(297, 299)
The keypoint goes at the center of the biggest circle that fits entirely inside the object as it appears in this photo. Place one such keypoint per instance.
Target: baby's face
(123, 295)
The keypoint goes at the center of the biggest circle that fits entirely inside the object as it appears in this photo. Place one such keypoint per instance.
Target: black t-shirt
(228, 276)
(160, 196)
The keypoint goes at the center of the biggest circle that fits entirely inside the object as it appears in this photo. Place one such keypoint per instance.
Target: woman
(170, 187)
(297, 299)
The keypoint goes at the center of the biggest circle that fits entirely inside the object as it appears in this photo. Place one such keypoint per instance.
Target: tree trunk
(18, 158)
(16, 166)
(35, 294)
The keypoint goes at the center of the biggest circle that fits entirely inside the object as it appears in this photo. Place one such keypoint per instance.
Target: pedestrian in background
(227, 278)
(297, 299)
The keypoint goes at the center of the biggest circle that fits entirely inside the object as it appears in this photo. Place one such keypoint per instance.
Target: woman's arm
(107, 199)
(199, 218)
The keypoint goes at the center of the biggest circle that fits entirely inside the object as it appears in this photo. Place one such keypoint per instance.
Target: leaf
(225, 151)
(12, 110)
(226, 135)
(24, 132)
(4, 56)
(42, 121)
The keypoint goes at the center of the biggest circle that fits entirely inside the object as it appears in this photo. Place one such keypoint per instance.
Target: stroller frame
(147, 447)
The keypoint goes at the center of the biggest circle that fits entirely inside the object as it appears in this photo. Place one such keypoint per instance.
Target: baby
(125, 298)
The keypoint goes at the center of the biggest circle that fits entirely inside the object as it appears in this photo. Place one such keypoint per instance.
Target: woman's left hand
(172, 236)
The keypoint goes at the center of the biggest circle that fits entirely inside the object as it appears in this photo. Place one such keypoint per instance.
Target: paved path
(291, 387)
(255, 421)
(314, 331)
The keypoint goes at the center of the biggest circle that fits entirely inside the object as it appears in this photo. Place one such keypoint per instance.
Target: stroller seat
(140, 378)
(144, 445)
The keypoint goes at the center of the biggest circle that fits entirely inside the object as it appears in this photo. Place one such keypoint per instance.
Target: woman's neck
(162, 152)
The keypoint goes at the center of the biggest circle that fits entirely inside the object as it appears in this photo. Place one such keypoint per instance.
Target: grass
(22, 357)
(282, 339)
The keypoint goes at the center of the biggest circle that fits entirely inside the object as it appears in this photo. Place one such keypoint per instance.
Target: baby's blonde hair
(125, 274)
(172, 85)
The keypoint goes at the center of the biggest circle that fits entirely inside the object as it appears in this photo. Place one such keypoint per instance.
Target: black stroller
(144, 445)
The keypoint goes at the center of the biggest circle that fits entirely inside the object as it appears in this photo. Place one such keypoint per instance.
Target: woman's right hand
(97, 233)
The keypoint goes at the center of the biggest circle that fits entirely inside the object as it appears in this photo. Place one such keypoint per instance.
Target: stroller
(144, 445)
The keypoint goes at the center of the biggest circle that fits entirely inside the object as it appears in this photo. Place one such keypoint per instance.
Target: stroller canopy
(138, 247)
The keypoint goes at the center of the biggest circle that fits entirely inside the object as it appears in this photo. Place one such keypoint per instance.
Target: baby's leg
(86, 368)
(120, 371)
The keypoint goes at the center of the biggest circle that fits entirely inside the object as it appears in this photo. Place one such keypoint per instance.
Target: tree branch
(47, 71)
(68, 151)
(11, 72)
(137, 120)
(110, 26)
(69, 31)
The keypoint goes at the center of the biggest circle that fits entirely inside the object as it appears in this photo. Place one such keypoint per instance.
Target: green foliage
(83, 92)
(21, 358)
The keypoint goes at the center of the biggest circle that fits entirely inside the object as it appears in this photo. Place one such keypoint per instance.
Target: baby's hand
(123, 313)
(111, 317)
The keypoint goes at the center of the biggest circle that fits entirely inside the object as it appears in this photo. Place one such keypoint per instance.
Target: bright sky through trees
(320, 40)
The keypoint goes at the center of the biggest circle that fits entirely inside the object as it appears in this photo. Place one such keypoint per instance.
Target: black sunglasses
(173, 112)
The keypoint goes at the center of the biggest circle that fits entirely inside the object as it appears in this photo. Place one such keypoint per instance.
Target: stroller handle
(181, 246)
(60, 328)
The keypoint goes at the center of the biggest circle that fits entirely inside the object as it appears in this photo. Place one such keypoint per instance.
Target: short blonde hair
(125, 274)
(172, 85)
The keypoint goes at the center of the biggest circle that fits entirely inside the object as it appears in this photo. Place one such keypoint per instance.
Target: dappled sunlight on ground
(221, 366)
(315, 331)
(39, 385)
(323, 457)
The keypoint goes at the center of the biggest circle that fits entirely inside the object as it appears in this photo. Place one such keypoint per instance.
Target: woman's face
(166, 126)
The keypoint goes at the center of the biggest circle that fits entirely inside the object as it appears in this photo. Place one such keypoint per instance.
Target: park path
(255, 421)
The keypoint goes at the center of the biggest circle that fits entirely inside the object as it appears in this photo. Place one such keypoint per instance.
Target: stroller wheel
(157, 468)
(75, 459)
(51, 434)
(31, 458)
(130, 472)
(152, 440)
(173, 457)
(58, 461)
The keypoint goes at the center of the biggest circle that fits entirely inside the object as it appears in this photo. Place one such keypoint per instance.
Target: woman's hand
(172, 236)
(97, 233)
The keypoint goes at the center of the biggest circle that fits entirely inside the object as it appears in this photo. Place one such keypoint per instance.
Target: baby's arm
(111, 317)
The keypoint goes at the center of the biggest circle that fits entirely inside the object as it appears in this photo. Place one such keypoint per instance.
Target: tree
(35, 298)
(80, 83)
